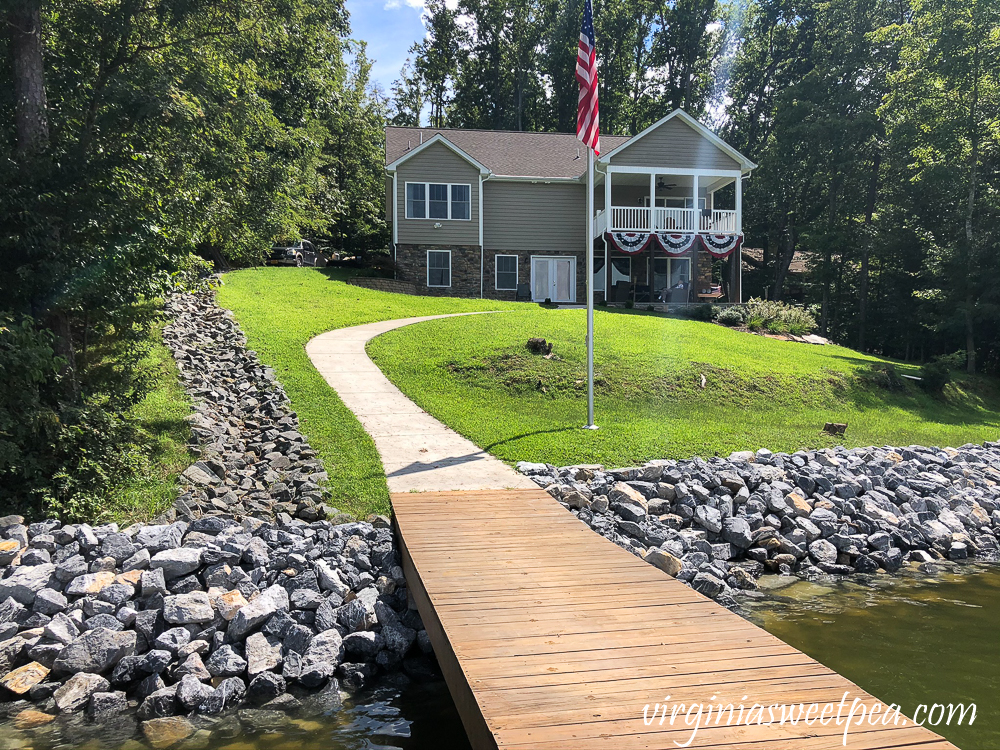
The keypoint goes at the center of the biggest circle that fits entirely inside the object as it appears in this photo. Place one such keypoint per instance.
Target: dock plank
(550, 636)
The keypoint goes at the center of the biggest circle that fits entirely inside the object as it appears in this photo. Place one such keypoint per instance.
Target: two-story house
(479, 213)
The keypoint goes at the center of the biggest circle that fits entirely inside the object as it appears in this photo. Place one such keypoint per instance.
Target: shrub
(705, 311)
(882, 376)
(732, 316)
(778, 317)
(936, 374)
(60, 457)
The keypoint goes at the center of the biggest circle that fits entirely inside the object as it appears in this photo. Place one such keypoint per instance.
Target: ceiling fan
(661, 184)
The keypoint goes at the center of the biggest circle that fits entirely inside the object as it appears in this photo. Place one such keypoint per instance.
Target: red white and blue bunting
(721, 245)
(629, 242)
(676, 244)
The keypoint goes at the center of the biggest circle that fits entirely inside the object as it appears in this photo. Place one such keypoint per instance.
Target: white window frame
(428, 260)
(427, 200)
(496, 272)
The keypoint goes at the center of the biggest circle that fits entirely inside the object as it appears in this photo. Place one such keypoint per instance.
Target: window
(433, 200)
(438, 268)
(461, 201)
(506, 272)
(416, 200)
(438, 204)
(621, 270)
(671, 274)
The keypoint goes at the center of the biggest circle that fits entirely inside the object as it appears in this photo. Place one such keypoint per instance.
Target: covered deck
(649, 199)
(642, 205)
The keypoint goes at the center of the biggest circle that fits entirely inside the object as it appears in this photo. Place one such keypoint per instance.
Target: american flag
(588, 127)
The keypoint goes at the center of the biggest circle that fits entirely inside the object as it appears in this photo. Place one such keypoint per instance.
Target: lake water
(908, 640)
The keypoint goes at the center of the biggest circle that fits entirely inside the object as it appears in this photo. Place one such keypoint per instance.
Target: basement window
(439, 268)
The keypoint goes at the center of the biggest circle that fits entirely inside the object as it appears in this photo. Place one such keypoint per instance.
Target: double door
(553, 278)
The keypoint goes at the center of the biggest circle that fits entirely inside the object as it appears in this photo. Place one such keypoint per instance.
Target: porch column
(694, 205)
(652, 201)
(739, 204)
(608, 215)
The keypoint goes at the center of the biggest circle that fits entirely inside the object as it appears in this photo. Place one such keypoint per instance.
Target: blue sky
(389, 27)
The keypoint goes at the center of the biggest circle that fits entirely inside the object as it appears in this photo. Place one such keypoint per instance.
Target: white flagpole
(590, 290)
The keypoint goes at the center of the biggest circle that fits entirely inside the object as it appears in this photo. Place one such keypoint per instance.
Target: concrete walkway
(418, 452)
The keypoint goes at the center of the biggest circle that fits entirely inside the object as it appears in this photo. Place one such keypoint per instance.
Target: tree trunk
(784, 260)
(31, 129)
(30, 109)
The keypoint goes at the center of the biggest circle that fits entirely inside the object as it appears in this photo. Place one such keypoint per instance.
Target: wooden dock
(551, 637)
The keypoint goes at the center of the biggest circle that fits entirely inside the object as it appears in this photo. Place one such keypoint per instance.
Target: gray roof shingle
(506, 152)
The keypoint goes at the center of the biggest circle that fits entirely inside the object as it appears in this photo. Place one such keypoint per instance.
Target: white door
(554, 279)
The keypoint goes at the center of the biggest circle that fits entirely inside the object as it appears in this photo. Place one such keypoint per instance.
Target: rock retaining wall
(720, 524)
(243, 595)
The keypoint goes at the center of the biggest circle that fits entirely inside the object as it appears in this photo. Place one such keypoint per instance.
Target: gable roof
(509, 153)
(438, 138)
(698, 127)
(503, 152)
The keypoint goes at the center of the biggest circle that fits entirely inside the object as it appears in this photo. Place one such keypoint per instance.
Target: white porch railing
(643, 219)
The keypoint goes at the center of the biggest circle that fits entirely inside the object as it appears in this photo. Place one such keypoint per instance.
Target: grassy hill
(476, 375)
(280, 310)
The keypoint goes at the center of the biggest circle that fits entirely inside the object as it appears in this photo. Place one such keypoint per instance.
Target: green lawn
(161, 421)
(280, 310)
(475, 375)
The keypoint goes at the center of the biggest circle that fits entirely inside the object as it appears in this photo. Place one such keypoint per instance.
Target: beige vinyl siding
(439, 164)
(674, 144)
(525, 216)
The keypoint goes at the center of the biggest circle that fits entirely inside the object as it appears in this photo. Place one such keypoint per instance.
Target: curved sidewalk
(418, 452)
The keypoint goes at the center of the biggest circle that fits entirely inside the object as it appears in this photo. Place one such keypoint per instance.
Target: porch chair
(523, 293)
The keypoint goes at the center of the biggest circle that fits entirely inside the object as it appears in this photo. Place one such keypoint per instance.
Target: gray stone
(263, 606)
(225, 662)
(823, 551)
(191, 692)
(159, 704)
(709, 518)
(49, 602)
(75, 693)
(328, 647)
(228, 694)
(708, 584)
(263, 653)
(398, 638)
(173, 639)
(176, 562)
(26, 581)
(183, 609)
(153, 582)
(265, 687)
(96, 651)
(363, 645)
(104, 706)
(736, 531)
